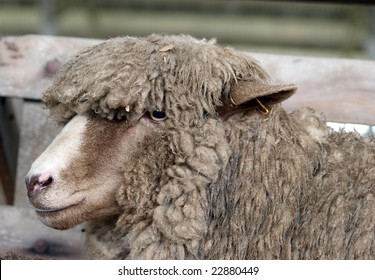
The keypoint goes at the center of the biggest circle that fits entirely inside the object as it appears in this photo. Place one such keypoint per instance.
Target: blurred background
(317, 28)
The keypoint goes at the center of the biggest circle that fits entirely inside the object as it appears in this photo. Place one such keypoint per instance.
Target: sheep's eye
(158, 115)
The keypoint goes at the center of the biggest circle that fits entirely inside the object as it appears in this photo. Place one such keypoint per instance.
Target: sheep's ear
(248, 94)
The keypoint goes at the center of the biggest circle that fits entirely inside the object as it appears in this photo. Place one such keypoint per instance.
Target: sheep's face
(78, 175)
(146, 173)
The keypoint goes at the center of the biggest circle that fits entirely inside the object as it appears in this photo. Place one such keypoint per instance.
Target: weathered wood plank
(24, 59)
(342, 89)
(22, 232)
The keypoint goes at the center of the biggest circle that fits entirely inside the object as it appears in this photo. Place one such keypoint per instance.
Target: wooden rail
(341, 88)
(21, 232)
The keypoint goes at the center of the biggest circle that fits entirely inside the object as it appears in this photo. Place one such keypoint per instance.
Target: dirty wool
(229, 174)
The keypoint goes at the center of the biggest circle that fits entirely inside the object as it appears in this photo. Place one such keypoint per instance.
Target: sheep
(177, 148)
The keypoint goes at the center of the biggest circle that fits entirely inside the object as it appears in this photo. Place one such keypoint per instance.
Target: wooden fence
(275, 26)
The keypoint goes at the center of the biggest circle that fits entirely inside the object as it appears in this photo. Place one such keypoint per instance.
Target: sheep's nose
(36, 183)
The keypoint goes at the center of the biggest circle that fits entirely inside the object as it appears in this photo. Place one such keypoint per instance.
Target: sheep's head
(145, 133)
(78, 175)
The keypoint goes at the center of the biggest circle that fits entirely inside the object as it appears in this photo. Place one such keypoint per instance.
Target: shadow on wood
(21, 232)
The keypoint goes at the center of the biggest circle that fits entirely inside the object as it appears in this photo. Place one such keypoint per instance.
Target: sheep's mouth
(46, 210)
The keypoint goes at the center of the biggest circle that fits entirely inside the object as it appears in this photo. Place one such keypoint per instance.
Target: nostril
(38, 182)
(47, 182)
(31, 182)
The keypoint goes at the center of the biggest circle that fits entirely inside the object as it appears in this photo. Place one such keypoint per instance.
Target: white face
(76, 178)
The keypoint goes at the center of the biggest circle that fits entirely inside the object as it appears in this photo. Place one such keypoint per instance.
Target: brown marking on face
(100, 150)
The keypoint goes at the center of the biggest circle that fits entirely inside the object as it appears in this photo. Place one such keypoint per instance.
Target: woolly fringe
(126, 77)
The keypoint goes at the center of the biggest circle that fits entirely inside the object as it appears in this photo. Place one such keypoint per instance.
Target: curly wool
(285, 195)
(210, 185)
(164, 201)
(125, 77)
(277, 193)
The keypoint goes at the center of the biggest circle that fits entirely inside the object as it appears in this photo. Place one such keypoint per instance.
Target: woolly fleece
(214, 185)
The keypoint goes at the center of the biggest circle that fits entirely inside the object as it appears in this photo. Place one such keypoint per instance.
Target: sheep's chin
(55, 209)
(58, 219)
(70, 216)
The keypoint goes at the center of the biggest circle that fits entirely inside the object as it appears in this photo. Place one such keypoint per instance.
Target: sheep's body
(300, 197)
(213, 180)
(285, 194)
